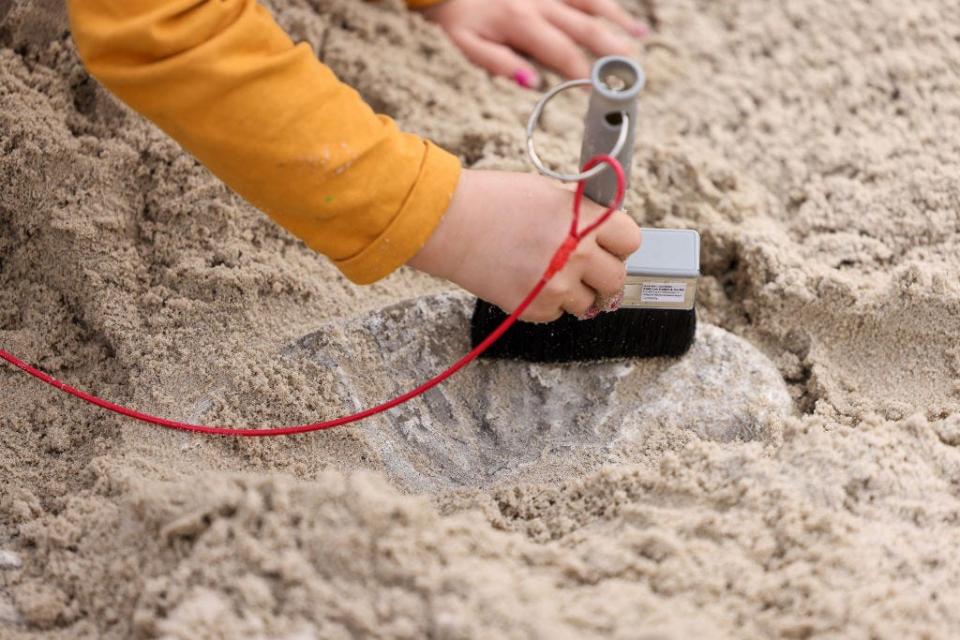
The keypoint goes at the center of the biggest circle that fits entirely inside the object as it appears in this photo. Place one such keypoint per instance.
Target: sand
(797, 475)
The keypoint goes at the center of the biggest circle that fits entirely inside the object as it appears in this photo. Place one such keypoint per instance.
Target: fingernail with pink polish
(589, 314)
(526, 78)
(615, 302)
(639, 30)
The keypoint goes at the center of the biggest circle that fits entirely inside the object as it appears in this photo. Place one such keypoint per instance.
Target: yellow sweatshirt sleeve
(224, 80)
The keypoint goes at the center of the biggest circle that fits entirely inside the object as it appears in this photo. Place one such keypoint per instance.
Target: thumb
(498, 59)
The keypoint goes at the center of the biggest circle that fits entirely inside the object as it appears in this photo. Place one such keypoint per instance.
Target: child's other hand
(491, 32)
(500, 232)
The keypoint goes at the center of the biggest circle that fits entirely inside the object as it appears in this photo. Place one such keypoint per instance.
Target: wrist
(446, 249)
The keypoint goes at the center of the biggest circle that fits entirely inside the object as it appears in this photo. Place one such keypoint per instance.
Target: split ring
(535, 119)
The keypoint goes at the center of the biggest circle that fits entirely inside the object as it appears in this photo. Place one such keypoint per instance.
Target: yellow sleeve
(224, 80)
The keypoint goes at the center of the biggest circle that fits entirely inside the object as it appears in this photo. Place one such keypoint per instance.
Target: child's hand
(490, 32)
(502, 229)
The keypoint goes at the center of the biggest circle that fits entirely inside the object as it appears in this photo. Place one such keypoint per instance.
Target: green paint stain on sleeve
(328, 199)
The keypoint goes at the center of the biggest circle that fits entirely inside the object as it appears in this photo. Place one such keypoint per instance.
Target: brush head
(621, 334)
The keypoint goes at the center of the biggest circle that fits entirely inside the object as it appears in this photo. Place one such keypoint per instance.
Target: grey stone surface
(495, 417)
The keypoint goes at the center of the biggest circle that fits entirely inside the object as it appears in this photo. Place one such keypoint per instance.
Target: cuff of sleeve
(418, 216)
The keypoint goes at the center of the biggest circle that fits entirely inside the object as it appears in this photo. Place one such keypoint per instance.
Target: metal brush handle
(616, 82)
(609, 126)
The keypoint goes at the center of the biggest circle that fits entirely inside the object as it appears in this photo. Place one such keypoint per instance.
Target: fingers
(620, 235)
(588, 31)
(592, 275)
(496, 58)
(564, 293)
(549, 45)
(605, 274)
(579, 300)
(540, 315)
(591, 282)
(612, 11)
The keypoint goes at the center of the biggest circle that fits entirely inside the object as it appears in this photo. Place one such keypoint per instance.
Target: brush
(657, 316)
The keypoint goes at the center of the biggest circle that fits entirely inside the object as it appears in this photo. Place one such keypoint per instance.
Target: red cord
(556, 263)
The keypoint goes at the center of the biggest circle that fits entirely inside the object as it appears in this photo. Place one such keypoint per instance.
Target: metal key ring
(535, 119)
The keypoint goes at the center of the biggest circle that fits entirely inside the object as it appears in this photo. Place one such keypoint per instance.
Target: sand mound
(812, 145)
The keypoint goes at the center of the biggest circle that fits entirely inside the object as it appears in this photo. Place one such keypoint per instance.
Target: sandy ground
(797, 475)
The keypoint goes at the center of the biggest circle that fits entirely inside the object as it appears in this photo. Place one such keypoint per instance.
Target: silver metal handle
(609, 126)
(616, 82)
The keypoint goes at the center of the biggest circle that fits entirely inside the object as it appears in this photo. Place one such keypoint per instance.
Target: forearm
(265, 116)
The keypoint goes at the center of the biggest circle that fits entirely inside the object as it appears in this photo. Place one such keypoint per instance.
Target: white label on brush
(663, 292)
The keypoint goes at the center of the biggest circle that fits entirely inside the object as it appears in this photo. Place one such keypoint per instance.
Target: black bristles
(625, 333)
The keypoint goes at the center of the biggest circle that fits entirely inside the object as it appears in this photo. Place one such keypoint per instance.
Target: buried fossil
(496, 417)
